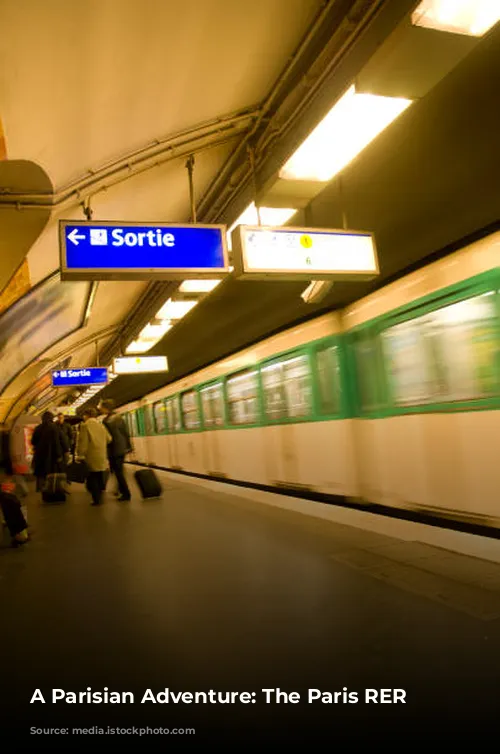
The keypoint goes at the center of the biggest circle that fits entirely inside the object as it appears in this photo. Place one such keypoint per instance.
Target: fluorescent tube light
(175, 309)
(471, 17)
(138, 346)
(354, 121)
(199, 286)
(154, 332)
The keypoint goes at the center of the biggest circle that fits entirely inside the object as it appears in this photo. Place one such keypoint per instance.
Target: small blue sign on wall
(79, 377)
(146, 251)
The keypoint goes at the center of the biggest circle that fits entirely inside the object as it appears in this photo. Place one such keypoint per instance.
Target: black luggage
(53, 490)
(77, 472)
(12, 513)
(148, 483)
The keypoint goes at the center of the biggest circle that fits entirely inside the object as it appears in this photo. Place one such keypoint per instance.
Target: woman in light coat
(92, 447)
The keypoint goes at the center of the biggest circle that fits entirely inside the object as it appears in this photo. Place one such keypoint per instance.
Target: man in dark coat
(48, 456)
(66, 433)
(119, 446)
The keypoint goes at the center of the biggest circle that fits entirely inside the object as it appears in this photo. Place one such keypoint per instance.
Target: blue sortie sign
(81, 377)
(125, 251)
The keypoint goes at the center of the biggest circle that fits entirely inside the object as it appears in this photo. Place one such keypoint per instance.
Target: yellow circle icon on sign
(306, 242)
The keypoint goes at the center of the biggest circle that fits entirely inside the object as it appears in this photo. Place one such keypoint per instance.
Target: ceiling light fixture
(138, 346)
(471, 17)
(354, 121)
(155, 331)
(175, 310)
(198, 286)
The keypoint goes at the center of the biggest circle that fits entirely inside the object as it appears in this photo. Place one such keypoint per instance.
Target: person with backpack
(119, 446)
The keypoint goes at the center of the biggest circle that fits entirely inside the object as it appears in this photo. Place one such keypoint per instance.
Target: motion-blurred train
(393, 401)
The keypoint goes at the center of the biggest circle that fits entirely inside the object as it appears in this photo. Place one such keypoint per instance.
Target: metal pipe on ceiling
(190, 141)
(157, 291)
(272, 134)
(266, 106)
(366, 9)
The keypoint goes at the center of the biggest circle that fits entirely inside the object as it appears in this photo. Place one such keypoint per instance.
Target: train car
(274, 415)
(425, 353)
(393, 401)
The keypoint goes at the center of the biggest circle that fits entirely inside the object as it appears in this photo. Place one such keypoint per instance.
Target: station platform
(214, 587)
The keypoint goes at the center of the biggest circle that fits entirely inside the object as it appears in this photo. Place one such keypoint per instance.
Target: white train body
(426, 435)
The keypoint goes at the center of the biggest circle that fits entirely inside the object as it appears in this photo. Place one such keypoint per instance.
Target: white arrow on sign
(56, 374)
(73, 236)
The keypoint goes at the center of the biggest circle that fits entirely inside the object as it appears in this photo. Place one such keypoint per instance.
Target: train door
(174, 426)
(212, 402)
(149, 434)
(287, 389)
(160, 443)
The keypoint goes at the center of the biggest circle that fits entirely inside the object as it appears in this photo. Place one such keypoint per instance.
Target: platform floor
(210, 588)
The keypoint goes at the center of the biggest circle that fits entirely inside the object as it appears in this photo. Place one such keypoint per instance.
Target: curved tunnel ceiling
(123, 104)
(428, 182)
(104, 104)
(20, 228)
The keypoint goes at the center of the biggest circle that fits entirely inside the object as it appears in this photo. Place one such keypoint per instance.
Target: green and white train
(393, 401)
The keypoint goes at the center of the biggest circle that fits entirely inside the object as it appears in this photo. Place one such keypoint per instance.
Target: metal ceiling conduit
(278, 88)
(191, 141)
(341, 41)
(348, 32)
(224, 181)
(215, 132)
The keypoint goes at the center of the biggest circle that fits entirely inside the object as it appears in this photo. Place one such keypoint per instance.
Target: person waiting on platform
(92, 447)
(119, 447)
(66, 441)
(48, 455)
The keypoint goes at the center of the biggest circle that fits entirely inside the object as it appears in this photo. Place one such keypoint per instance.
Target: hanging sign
(141, 251)
(303, 254)
(140, 364)
(79, 377)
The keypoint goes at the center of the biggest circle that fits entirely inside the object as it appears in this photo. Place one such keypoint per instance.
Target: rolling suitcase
(53, 490)
(148, 483)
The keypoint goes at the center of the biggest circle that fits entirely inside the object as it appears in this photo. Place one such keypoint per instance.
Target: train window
(173, 414)
(141, 423)
(134, 424)
(274, 392)
(148, 420)
(446, 356)
(297, 382)
(368, 365)
(242, 396)
(328, 371)
(190, 412)
(466, 349)
(160, 417)
(287, 388)
(213, 406)
(408, 358)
